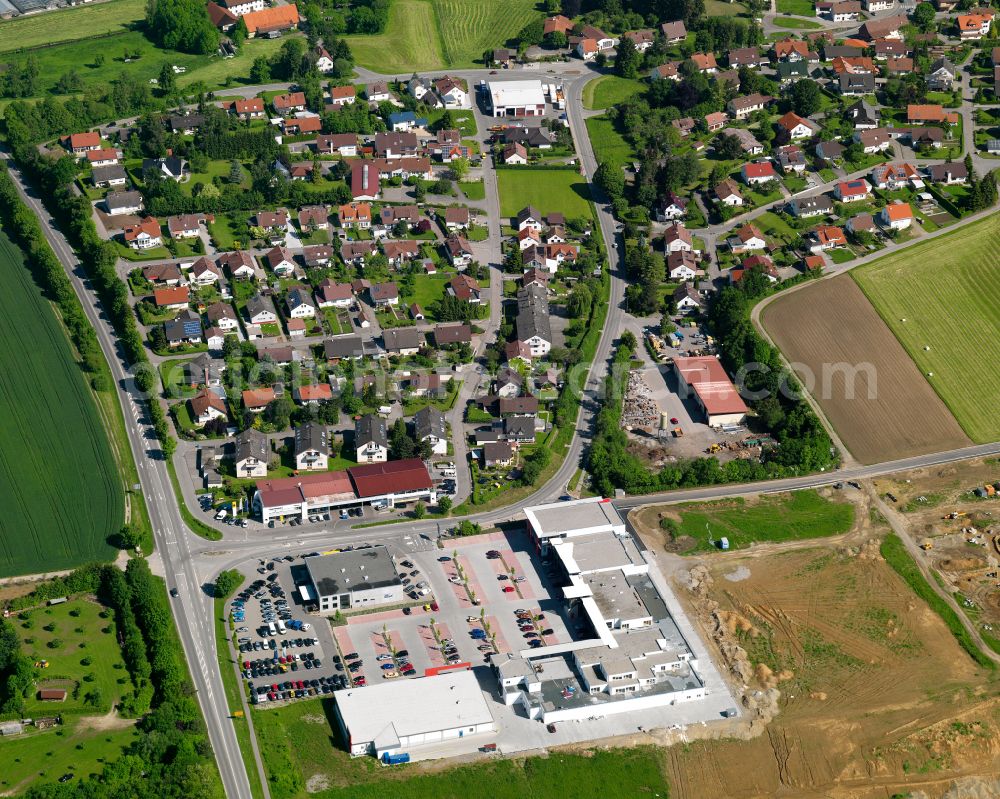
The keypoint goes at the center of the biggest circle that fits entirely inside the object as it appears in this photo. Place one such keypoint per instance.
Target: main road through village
(190, 563)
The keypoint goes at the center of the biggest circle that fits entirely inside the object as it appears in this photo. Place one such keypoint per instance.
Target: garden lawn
(59, 488)
(803, 8)
(609, 90)
(608, 143)
(795, 23)
(782, 517)
(69, 24)
(296, 745)
(946, 290)
(473, 189)
(548, 190)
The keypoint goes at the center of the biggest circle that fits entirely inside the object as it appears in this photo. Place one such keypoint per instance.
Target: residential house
(848, 191)
(856, 84)
(392, 215)
(450, 334)
(384, 294)
(252, 108)
(830, 150)
(241, 265)
(791, 159)
(728, 193)
(674, 32)
(791, 50)
(508, 382)
(377, 92)
(873, 141)
(396, 144)
(686, 298)
(789, 72)
(758, 172)
(104, 177)
(123, 202)
(941, 77)
(222, 316)
(170, 167)
(184, 330)
(682, 265)
(742, 107)
(429, 425)
(207, 406)
(896, 216)
(863, 115)
(314, 217)
(466, 289)
(260, 311)
(827, 237)
(371, 440)
(396, 252)
(280, 260)
(669, 208)
(530, 217)
(668, 71)
(163, 274)
(172, 298)
(185, 226)
(515, 154)
(317, 255)
(894, 176)
(255, 400)
(82, 143)
(300, 303)
(705, 62)
(746, 57)
(355, 215)
(748, 237)
(354, 253)
(948, 173)
(861, 223)
(273, 223)
(252, 454)
(676, 238)
(497, 454)
(342, 144)
(287, 104)
(330, 294)
(143, 235)
(323, 62)
(106, 156)
(883, 28)
(300, 126)
(533, 325)
(452, 92)
(974, 26)
(796, 127)
(204, 272)
(406, 120)
(805, 207)
(930, 113)
(748, 142)
(876, 6)
(456, 217)
(642, 39)
(459, 251)
(340, 348)
(342, 95)
(364, 180)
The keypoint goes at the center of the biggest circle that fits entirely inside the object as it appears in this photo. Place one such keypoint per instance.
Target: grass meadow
(547, 189)
(608, 143)
(609, 90)
(59, 489)
(783, 517)
(299, 743)
(942, 301)
(70, 24)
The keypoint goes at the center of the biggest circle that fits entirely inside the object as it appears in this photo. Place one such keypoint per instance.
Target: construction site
(851, 685)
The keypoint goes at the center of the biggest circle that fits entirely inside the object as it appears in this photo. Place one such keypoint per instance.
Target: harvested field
(876, 698)
(942, 300)
(887, 409)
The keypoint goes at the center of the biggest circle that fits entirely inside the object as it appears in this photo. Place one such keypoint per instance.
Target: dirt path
(109, 721)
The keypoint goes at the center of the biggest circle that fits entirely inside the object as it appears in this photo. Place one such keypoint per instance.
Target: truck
(724, 543)
(396, 759)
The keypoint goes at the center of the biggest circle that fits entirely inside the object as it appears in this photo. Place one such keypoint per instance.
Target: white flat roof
(411, 707)
(506, 93)
(591, 515)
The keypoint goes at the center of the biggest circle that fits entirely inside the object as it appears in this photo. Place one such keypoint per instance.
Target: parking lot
(488, 594)
(284, 653)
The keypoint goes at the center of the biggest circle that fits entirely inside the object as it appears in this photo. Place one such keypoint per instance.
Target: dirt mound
(820, 696)
(734, 622)
(962, 564)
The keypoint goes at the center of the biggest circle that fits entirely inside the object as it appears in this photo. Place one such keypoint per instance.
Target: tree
(167, 80)
(227, 582)
(806, 97)
(728, 147)
(182, 25)
(419, 510)
(923, 16)
(444, 504)
(260, 70)
(460, 168)
(628, 58)
(129, 537)
(278, 412)
(611, 179)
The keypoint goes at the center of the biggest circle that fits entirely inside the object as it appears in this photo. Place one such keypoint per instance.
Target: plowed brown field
(888, 410)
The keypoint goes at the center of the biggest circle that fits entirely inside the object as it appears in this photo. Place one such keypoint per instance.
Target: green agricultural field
(548, 190)
(316, 756)
(435, 34)
(609, 90)
(82, 22)
(782, 517)
(59, 489)
(471, 27)
(608, 143)
(947, 292)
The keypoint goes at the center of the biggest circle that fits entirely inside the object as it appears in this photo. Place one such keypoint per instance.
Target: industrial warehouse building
(516, 98)
(704, 379)
(395, 717)
(635, 658)
(379, 484)
(358, 578)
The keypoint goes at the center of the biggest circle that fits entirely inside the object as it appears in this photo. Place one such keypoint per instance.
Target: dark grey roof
(528, 212)
(370, 429)
(429, 421)
(520, 428)
(252, 444)
(818, 203)
(533, 314)
(123, 199)
(402, 338)
(955, 169)
(256, 304)
(103, 174)
(309, 437)
(357, 570)
(344, 347)
(186, 121)
(860, 81)
(508, 375)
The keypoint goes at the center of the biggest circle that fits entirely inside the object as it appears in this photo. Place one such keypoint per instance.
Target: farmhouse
(707, 382)
(271, 20)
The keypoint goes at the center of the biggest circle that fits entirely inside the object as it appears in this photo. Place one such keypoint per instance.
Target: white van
(449, 472)
(281, 627)
(271, 628)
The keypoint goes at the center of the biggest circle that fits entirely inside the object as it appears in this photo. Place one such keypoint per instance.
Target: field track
(59, 489)
(832, 322)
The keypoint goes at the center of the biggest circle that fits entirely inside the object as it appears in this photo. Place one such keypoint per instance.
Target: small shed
(11, 728)
(52, 694)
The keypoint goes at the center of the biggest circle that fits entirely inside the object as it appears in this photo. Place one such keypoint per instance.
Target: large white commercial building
(360, 578)
(395, 717)
(635, 658)
(516, 98)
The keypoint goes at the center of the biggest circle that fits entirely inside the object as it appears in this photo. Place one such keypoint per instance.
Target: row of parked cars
(296, 689)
